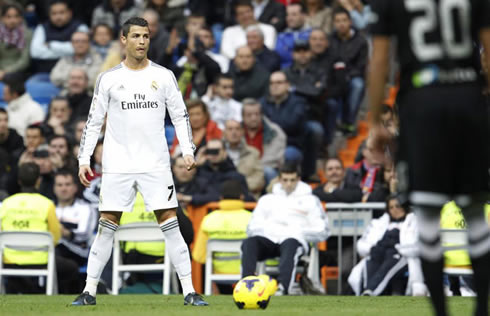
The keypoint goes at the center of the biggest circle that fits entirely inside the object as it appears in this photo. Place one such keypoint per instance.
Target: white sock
(100, 252)
(178, 252)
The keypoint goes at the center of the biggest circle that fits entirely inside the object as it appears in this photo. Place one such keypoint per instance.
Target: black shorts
(444, 140)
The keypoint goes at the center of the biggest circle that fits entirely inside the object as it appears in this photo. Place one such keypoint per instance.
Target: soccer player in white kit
(135, 95)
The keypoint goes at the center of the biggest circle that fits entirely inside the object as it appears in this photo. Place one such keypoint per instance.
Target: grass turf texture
(140, 305)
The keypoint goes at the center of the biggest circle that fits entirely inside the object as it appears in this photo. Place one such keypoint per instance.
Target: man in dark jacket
(77, 94)
(191, 189)
(218, 168)
(266, 57)
(250, 79)
(352, 47)
(158, 35)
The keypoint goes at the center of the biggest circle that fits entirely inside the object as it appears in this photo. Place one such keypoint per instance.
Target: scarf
(13, 37)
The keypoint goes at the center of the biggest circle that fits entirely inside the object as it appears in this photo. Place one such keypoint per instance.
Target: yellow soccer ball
(251, 293)
(271, 283)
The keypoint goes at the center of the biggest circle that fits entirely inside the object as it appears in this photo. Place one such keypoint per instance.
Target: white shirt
(222, 110)
(235, 37)
(135, 102)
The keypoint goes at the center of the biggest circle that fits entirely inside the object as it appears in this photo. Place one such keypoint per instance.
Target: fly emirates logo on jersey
(139, 102)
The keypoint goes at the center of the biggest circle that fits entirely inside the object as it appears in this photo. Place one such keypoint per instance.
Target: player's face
(395, 209)
(64, 188)
(224, 89)
(334, 171)
(137, 42)
(288, 181)
(252, 118)
(4, 122)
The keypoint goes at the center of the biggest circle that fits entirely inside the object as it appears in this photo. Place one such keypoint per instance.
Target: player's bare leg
(179, 254)
(100, 252)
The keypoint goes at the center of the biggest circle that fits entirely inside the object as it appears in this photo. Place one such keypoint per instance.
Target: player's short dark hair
(28, 174)
(231, 190)
(243, 3)
(133, 21)
(340, 10)
(290, 167)
(15, 82)
(12, 5)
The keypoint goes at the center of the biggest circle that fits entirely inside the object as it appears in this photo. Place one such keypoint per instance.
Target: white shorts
(118, 191)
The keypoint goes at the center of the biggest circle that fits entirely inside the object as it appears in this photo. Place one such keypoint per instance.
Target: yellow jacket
(228, 222)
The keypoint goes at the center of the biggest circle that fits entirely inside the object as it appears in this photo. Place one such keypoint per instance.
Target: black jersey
(436, 38)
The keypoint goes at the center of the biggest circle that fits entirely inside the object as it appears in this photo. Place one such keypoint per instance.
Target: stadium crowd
(267, 83)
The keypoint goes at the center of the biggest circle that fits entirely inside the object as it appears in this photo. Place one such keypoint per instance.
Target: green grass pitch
(139, 305)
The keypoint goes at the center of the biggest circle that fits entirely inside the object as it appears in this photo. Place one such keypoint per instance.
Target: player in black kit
(443, 143)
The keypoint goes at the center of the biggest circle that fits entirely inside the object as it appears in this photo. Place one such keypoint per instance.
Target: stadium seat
(144, 231)
(219, 245)
(30, 241)
(42, 92)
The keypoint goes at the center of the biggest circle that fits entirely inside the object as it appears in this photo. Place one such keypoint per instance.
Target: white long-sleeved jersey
(135, 102)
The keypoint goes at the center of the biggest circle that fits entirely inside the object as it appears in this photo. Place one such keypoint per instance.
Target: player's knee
(163, 215)
(111, 217)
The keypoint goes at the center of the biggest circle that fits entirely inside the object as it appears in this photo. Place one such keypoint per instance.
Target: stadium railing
(138, 232)
(30, 241)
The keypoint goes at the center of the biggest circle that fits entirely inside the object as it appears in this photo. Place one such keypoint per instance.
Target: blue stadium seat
(42, 92)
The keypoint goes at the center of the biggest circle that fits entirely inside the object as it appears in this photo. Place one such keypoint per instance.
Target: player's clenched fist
(189, 162)
(82, 174)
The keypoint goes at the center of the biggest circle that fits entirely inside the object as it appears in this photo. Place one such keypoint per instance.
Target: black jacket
(353, 52)
(253, 83)
(269, 59)
(199, 189)
(274, 11)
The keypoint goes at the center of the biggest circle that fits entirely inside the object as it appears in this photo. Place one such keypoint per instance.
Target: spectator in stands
(22, 110)
(77, 129)
(46, 166)
(270, 12)
(250, 79)
(318, 15)
(52, 39)
(282, 225)
(218, 168)
(78, 219)
(102, 39)
(171, 13)
(31, 211)
(58, 116)
(10, 141)
(318, 43)
(297, 30)
(158, 36)
(332, 190)
(220, 102)
(206, 36)
(359, 12)
(195, 71)
(228, 222)
(245, 158)
(389, 119)
(235, 36)
(15, 39)
(60, 151)
(352, 47)
(83, 57)
(203, 128)
(115, 13)
(114, 57)
(189, 188)
(264, 56)
(266, 136)
(383, 262)
(365, 179)
(77, 93)
(288, 110)
(34, 137)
